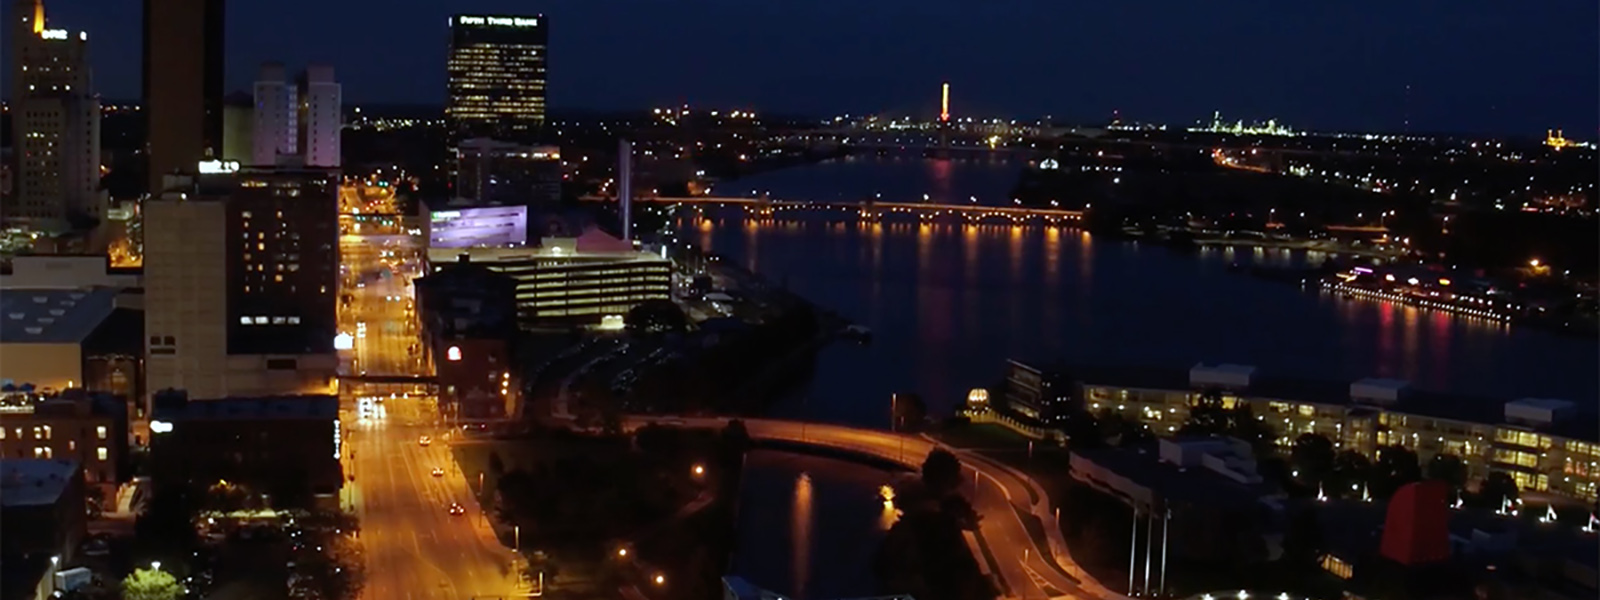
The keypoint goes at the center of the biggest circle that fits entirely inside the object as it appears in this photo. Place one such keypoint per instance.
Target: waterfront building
(183, 98)
(56, 122)
(497, 76)
(574, 280)
(1544, 445)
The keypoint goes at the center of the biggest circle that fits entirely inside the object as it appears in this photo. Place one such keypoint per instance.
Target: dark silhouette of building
(182, 88)
(287, 447)
(469, 323)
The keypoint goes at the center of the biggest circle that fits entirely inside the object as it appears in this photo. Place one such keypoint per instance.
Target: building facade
(56, 122)
(1544, 445)
(287, 447)
(497, 76)
(244, 303)
(42, 503)
(322, 117)
(277, 115)
(573, 280)
(91, 429)
(501, 173)
(183, 57)
(469, 321)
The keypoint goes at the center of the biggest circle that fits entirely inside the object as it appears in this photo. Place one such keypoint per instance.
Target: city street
(415, 548)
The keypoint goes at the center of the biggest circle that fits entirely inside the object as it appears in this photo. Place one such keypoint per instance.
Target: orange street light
(699, 470)
(661, 579)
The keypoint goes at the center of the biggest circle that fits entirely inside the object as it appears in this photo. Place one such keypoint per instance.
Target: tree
(1209, 416)
(1312, 456)
(1351, 470)
(1449, 469)
(656, 317)
(941, 472)
(1083, 430)
(1119, 430)
(1497, 488)
(1396, 467)
(151, 584)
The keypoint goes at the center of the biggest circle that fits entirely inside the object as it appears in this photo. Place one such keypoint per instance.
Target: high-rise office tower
(56, 121)
(243, 301)
(321, 117)
(183, 68)
(497, 76)
(238, 127)
(277, 115)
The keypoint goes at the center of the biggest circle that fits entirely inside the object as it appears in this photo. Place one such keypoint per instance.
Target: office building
(321, 118)
(497, 76)
(494, 173)
(572, 280)
(287, 447)
(182, 86)
(56, 122)
(89, 428)
(277, 116)
(468, 314)
(1544, 445)
(244, 302)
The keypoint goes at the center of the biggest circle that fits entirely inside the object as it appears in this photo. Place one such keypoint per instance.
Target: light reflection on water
(801, 534)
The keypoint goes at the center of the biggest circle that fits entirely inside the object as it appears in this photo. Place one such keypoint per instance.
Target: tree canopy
(656, 317)
(151, 584)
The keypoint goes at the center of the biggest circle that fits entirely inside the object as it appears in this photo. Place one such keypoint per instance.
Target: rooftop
(34, 482)
(1144, 467)
(309, 407)
(53, 316)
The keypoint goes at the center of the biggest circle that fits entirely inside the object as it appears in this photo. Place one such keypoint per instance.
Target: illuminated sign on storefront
(498, 21)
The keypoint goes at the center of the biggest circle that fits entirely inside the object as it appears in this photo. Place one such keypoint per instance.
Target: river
(948, 303)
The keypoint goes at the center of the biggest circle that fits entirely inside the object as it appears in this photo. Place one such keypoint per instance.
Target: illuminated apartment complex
(1538, 442)
(497, 76)
(580, 279)
(57, 121)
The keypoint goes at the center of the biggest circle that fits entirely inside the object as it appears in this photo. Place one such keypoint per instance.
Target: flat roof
(1142, 465)
(34, 481)
(53, 316)
(1484, 410)
(309, 407)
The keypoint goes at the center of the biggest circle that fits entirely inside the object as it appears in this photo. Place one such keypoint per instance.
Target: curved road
(1032, 564)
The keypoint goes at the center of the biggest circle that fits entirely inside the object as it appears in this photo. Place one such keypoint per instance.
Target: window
(72, 444)
(100, 432)
(43, 452)
(47, 432)
(100, 453)
(244, 320)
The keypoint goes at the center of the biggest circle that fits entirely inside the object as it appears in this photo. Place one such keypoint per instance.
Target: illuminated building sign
(213, 167)
(499, 21)
(160, 427)
(492, 227)
(53, 34)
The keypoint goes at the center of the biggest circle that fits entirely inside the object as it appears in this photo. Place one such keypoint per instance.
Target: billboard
(492, 227)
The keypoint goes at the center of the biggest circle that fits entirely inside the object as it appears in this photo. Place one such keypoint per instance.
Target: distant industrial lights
(453, 354)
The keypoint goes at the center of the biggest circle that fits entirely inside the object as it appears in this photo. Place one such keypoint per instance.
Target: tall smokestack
(625, 187)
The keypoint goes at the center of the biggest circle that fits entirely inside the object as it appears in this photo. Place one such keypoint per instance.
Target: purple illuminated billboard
(493, 227)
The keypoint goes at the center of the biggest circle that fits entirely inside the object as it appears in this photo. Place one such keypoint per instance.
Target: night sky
(1473, 65)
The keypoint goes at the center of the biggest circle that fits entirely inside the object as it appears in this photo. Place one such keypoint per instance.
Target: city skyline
(1475, 69)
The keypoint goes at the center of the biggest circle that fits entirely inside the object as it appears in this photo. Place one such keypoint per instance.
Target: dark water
(809, 526)
(948, 303)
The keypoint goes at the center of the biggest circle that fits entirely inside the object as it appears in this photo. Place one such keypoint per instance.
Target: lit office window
(101, 453)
